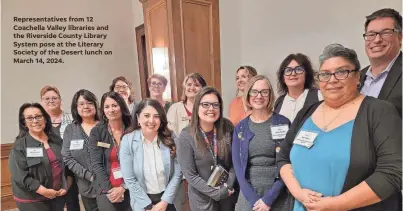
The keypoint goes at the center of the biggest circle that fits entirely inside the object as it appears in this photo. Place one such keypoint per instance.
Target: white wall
(22, 82)
(261, 33)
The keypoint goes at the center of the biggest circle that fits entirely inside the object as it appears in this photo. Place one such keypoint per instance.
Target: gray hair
(337, 50)
(385, 13)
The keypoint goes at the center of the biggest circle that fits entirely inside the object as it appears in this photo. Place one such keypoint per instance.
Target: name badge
(305, 138)
(104, 145)
(117, 174)
(279, 131)
(34, 152)
(77, 144)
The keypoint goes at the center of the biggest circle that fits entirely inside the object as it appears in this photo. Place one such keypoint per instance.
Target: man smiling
(383, 40)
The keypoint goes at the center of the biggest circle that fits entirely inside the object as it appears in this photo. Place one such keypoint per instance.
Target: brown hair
(159, 77)
(164, 134)
(252, 82)
(129, 84)
(251, 70)
(195, 76)
(49, 88)
(223, 127)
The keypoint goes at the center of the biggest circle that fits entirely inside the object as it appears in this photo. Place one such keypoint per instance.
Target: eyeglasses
(206, 105)
(384, 34)
(264, 92)
(156, 84)
(117, 87)
(48, 99)
(31, 119)
(339, 75)
(82, 104)
(298, 70)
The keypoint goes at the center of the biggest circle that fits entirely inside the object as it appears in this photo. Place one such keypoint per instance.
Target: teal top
(323, 167)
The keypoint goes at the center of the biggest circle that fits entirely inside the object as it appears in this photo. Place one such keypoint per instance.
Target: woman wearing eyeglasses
(156, 86)
(343, 153)
(179, 116)
(202, 147)
(75, 151)
(36, 164)
(124, 87)
(256, 142)
(237, 108)
(296, 85)
(52, 102)
(105, 139)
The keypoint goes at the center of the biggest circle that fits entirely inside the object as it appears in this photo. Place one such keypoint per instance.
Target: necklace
(325, 128)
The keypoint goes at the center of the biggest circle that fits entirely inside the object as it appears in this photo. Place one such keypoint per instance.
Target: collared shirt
(291, 106)
(154, 172)
(373, 84)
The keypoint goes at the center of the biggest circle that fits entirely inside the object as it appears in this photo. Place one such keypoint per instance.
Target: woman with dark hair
(179, 115)
(148, 160)
(124, 87)
(75, 151)
(156, 86)
(36, 164)
(296, 85)
(204, 146)
(104, 153)
(237, 108)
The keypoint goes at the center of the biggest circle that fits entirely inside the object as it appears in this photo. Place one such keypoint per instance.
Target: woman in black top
(366, 174)
(36, 165)
(104, 153)
(75, 151)
(296, 85)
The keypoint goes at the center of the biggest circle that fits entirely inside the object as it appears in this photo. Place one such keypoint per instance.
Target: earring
(359, 85)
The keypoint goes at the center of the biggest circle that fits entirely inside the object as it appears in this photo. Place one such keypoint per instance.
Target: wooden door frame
(142, 62)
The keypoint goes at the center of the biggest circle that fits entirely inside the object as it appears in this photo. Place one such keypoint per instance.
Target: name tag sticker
(104, 145)
(279, 131)
(117, 174)
(34, 152)
(77, 144)
(305, 138)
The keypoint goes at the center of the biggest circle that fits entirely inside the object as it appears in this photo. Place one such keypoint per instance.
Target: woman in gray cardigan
(75, 151)
(204, 145)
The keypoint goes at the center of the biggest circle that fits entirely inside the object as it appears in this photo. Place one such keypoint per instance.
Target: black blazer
(392, 88)
(28, 173)
(376, 151)
(99, 156)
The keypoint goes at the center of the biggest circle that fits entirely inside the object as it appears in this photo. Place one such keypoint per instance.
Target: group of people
(331, 141)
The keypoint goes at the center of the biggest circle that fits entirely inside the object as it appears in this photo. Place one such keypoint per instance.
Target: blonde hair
(252, 82)
(196, 77)
(49, 88)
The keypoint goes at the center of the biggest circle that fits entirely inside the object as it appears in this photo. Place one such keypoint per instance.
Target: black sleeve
(96, 156)
(19, 169)
(387, 139)
(283, 157)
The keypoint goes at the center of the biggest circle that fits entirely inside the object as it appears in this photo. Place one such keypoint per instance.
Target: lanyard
(115, 143)
(215, 153)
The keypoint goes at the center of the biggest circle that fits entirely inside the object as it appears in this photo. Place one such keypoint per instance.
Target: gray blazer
(78, 161)
(131, 155)
(196, 166)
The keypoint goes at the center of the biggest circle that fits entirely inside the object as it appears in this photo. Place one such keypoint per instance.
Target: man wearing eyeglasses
(383, 41)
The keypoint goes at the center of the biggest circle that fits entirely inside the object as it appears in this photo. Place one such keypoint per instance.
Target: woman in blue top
(343, 153)
(256, 141)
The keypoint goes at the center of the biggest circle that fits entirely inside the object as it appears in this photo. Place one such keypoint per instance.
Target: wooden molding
(7, 199)
(142, 61)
